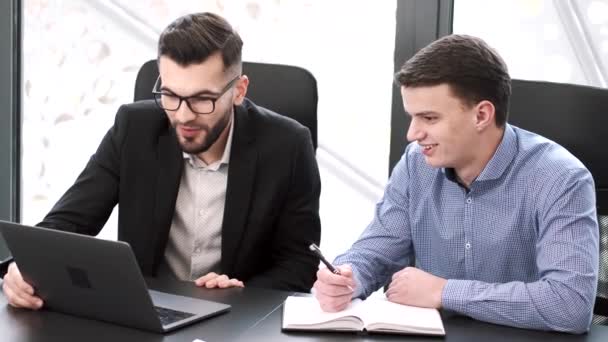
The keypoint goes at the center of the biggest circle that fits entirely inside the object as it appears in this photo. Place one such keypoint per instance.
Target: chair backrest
(575, 117)
(285, 89)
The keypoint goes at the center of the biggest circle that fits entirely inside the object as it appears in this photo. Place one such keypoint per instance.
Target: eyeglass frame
(158, 93)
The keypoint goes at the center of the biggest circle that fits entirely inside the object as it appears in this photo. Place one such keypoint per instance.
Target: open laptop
(100, 279)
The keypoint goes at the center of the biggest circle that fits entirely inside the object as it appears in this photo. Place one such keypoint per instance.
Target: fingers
(402, 273)
(344, 279)
(395, 283)
(333, 304)
(334, 291)
(346, 271)
(398, 284)
(17, 280)
(19, 300)
(396, 293)
(399, 279)
(230, 283)
(399, 290)
(19, 293)
(214, 280)
(202, 281)
(395, 290)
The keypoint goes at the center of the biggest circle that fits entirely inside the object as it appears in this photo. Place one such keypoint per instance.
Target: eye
(428, 118)
(200, 99)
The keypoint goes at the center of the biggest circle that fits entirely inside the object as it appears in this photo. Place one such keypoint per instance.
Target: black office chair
(576, 117)
(285, 89)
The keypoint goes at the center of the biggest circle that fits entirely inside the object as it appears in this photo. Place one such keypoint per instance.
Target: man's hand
(334, 291)
(415, 287)
(213, 280)
(19, 293)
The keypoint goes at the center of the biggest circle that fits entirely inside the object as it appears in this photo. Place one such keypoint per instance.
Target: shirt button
(201, 212)
(467, 245)
(469, 200)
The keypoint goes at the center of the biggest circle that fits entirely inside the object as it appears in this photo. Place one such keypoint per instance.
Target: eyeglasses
(198, 104)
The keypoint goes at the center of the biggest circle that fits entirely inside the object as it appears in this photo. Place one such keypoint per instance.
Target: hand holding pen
(315, 249)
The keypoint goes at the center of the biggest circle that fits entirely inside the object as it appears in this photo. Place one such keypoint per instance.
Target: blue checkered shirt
(519, 248)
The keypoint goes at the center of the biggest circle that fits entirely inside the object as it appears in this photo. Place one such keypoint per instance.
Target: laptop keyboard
(168, 316)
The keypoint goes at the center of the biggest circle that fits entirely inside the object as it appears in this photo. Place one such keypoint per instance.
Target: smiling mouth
(428, 147)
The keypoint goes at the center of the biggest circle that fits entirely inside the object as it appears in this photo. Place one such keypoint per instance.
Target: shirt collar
(195, 161)
(500, 161)
(502, 158)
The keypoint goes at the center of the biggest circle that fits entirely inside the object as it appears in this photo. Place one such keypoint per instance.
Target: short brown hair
(194, 37)
(473, 70)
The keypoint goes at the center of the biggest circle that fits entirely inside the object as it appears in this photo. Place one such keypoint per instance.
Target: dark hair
(473, 70)
(194, 37)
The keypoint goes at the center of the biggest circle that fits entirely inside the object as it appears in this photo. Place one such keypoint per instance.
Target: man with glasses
(211, 187)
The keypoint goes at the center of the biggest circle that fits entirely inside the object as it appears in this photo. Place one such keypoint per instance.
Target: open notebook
(372, 315)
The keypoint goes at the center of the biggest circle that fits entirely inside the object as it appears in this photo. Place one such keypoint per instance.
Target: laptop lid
(95, 278)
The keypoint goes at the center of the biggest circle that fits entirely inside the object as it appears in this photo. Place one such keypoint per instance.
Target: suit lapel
(169, 166)
(241, 176)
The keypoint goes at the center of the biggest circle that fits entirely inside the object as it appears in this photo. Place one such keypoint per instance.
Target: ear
(485, 113)
(241, 90)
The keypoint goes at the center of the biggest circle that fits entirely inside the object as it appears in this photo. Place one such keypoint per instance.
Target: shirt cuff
(455, 295)
(359, 292)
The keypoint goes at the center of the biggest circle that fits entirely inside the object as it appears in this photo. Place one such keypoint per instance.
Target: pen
(315, 249)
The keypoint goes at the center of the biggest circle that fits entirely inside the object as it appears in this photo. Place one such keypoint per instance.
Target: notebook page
(385, 313)
(300, 311)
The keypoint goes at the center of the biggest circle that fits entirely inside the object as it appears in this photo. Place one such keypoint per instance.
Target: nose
(183, 114)
(414, 132)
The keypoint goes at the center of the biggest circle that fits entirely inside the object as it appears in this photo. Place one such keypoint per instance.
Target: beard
(191, 146)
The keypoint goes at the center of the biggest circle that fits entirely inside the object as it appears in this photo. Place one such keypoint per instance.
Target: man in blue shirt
(501, 222)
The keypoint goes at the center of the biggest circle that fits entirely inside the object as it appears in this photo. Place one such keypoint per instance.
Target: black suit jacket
(272, 198)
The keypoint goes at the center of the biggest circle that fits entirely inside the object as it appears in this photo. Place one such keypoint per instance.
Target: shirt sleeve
(567, 257)
(385, 245)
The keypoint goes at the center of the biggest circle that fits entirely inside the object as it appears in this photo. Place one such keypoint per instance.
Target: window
(558, 41)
